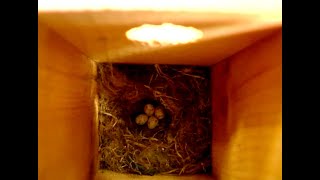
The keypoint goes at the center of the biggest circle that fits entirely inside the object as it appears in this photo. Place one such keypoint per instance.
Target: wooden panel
(101, 35)
(247, 104)
(268, 9)
(247, 101)
(109, 175)
(65, 109)
(223, 43)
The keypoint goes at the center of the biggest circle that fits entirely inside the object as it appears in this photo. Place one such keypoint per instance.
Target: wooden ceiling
(101, 34)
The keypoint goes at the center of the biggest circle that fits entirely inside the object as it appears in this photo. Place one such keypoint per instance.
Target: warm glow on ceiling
(265, 8)
(164, 34)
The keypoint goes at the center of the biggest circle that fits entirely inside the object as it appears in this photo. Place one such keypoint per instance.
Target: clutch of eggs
(152, 116)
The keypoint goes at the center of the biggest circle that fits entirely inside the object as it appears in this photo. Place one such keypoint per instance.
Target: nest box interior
(243, 54)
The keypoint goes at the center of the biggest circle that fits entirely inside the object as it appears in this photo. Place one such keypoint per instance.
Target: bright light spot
(265, 9)
(165, 34)
(166, 5)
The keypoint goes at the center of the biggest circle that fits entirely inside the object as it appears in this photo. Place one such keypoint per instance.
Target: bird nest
(181, 142)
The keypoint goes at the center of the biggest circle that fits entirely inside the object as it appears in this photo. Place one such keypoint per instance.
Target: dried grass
(180, 144)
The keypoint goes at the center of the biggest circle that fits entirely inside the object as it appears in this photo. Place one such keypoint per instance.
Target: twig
(195, 76)
(182, 170)
(157, 132)
(137, 144)
(150, 79)
(158, 69)
(191, 75)
(169, 172)
(159, 94)
(175, 146)
(108, 114)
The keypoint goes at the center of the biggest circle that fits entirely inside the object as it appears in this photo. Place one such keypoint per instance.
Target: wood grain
(247, 105)
(246, 98)
(65, 109)
(110, 175)
(101, 35)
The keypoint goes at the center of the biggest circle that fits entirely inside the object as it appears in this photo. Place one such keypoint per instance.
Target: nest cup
(180, 144)
(139, 109)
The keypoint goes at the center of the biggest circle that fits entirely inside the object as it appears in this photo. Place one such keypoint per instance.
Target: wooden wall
(247, 105)
(246, 102)
(65, 109)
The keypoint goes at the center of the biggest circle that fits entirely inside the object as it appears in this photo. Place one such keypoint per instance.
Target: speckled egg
(149, 109)
(159, 112)
(141, 119)
(152, 122)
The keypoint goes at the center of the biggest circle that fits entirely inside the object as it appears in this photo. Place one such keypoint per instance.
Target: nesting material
(154, 119)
